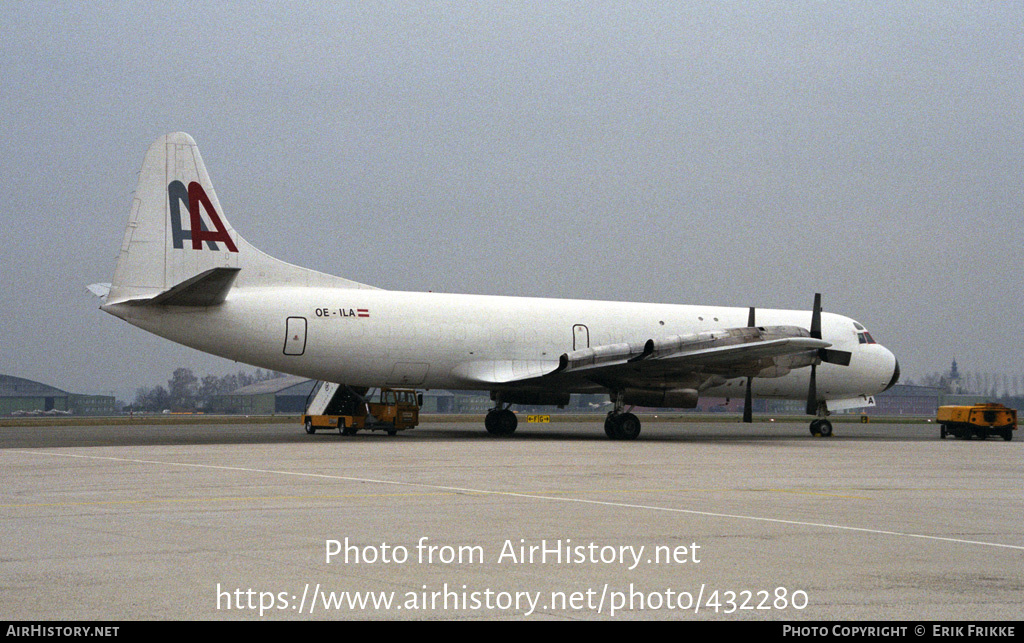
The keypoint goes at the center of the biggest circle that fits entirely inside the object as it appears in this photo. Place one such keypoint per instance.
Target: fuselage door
(295, 336)
(580, 337)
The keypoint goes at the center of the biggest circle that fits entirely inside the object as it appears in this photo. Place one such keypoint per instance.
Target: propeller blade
(748, 402)
(816, 317)
(812, 393)
(832, 356)
(812, 388)
(748, 399)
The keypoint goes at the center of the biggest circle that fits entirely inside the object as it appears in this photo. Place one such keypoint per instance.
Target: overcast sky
(720, 153)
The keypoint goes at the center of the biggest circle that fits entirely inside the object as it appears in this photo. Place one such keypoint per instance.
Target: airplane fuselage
(368, 337)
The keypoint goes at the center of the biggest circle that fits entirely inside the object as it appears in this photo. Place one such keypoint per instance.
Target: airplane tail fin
(180, 249)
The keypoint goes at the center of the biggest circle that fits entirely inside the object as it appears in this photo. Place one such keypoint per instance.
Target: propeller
(748, 399)
(831, 356)
(812, 388)
(828, 355)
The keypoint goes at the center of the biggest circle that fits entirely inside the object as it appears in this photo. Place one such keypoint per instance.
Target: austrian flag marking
(362, 312)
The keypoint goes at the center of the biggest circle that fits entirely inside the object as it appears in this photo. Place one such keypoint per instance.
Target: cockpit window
(865, 338)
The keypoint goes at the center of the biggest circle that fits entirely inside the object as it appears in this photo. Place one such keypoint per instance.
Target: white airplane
(183, 273)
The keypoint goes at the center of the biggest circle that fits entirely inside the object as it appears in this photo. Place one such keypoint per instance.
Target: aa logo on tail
(194, 196)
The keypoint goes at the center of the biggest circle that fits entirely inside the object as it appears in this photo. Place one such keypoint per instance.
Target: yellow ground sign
(534, 419)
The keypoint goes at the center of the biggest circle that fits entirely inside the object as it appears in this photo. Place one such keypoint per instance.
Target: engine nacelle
(678, 398)
(532, 398)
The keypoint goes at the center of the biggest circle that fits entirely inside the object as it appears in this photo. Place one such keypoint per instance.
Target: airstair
(320, 397)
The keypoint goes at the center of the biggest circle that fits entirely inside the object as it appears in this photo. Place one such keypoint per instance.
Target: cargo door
(408, 374)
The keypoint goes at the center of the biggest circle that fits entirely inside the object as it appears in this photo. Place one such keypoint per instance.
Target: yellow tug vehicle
(979, 420)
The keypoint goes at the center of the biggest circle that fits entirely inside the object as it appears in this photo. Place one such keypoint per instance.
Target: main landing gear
(621, 425)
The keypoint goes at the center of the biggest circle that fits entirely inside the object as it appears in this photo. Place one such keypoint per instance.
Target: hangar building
(278, 395)
(19, 396)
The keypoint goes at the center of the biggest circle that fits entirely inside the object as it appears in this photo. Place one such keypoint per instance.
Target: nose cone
(895, 374)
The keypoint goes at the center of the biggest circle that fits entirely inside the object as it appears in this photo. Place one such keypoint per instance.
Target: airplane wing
(694, 358)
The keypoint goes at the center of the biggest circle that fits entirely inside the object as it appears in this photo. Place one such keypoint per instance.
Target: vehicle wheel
(310, 429)
(348, 431)
(392, 432)
(501, 422)
(942, 431)
(1008, 434)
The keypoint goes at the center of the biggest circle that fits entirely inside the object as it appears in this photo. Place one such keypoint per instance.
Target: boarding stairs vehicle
(351, 409)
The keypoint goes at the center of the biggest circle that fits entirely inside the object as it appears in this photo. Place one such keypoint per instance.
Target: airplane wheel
(629, 427)
(609, 427)
(502, 422)
(622, 426)
(821, 429)
(310, 429)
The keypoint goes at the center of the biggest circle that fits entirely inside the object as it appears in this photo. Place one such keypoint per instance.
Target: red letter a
(196, 196)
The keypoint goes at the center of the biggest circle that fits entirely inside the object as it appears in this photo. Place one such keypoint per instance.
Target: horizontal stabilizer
(100, 290)
(205, 289)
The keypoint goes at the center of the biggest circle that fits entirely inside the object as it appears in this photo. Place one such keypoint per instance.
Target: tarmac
(695, 521)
